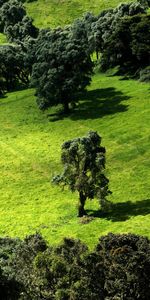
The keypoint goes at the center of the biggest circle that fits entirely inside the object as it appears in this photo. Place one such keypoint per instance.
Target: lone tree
(63, 66)
(84, 165)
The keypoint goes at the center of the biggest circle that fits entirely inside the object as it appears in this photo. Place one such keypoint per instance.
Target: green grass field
(30, 154)
(52, 13)
(30, 142)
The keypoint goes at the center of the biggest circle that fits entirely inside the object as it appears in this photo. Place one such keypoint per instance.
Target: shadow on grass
(57, 116)
(95, 104)
(99, 103)
(123, 211)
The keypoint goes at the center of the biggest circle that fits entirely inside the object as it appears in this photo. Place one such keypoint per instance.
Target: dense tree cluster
(129, 45)
(101, 28)
(121, 35)
(84, 164)
(118, 268)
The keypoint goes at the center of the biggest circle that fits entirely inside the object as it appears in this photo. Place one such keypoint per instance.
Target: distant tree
(84, 165)
(63, 66)
(15, 23)
(129, 45)
(108, 20)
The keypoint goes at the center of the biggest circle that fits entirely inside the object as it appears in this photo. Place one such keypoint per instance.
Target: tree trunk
(82, 199)
(66, 107)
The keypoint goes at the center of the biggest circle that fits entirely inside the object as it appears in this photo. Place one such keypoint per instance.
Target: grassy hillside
(30, 150)
(30, 154)
(52, 13)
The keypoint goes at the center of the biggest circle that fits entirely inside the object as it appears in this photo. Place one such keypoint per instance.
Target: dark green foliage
(84, 164)
(60, 269)
(13, 67)
(63, 68)
(108, 21)
(11, 13)
(122, 35)
(129, 46)
(10, 288)
(70, 272)
(119, 268)
(140, 36)
(88, 20)
(14, 22)
(21, 265)
(126, 263)
(21, 30)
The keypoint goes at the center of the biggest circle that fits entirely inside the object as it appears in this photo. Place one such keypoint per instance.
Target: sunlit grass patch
(52, 13)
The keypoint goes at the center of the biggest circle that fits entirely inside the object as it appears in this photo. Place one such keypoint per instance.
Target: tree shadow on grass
(57, 116)
(123, 211)
(99, 103)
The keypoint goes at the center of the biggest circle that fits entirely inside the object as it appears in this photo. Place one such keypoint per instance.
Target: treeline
(15, 67)
(118, 268)
(58, 62)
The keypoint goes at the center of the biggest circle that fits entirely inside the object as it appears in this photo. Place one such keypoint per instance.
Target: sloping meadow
(30, 155)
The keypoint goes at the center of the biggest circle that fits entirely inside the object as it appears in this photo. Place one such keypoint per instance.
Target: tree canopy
(63, 66)
(108, 20)
(129, 45)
